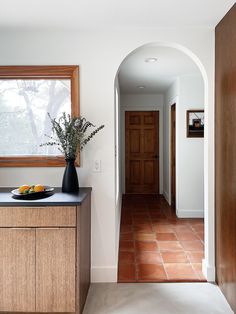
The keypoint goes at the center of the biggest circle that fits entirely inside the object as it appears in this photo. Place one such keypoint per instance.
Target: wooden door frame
(172, 154)
(141, 109)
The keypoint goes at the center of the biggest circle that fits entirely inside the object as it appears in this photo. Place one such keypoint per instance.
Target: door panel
(149, 177)
(135, 141)
(17, 270)
(225, 130)
(142, 151)
(135, 170)
(55, 270)
(149, 145)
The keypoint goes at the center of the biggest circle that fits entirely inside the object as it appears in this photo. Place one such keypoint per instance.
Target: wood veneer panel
(83, 253)
(55, 216)
(55, 270)
(17, 270)
(225, 129)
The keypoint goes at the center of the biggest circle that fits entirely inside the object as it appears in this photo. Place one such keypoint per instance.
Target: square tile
(144, 246)
(174, 257)
(200, 235)
(195, 257)
(126, 273)
(143, 215)
(192, 245)
(144, 228)
(182, 228)
(169, 246)
(198, 269)
(183, 278)
(148, 258)
(151, 272)
(126, 228)
(162, 228)
(157, 215)
(127, 236)
(140, 221)
(166, 237)
(198, 228)
(126, 258)
(179, 269)
(186, 236)
(126, 246)
(144, 236)
(126, 220)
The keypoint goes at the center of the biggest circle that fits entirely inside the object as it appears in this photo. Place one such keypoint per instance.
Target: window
(27, 95)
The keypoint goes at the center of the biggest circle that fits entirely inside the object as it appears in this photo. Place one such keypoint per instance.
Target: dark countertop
(57, 198)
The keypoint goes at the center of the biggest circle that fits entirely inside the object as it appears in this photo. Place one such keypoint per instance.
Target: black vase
(70, 181)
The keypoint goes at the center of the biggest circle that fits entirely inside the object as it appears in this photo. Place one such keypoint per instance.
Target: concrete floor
(157, 298)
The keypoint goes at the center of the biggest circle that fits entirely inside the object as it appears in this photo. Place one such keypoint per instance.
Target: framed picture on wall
(195, 123)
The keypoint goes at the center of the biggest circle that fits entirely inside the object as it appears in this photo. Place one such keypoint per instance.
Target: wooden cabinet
(55, 270)
(53, 216)
(17, 270)
(45, 258)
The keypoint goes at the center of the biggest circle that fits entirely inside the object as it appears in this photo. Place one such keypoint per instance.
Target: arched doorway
(208, 215)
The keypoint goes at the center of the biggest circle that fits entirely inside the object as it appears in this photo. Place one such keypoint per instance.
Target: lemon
(38, 188)
(23, 188)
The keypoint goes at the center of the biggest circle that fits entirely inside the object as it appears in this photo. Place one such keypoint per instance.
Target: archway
(208, 215)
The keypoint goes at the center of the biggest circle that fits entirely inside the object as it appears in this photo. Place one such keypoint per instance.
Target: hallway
(155, 245)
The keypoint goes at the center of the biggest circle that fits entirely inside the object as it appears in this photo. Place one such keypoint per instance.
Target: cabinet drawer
(55, 216)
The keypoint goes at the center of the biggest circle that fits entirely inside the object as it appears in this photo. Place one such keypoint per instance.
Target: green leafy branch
(71, 134)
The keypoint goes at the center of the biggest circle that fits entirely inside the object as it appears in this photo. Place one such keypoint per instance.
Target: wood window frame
(42, 72)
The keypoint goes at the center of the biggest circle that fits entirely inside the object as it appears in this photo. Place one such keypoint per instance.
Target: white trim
(166, 196)
(208, 271)
(104, 274)
(181, 213)
(118, 208)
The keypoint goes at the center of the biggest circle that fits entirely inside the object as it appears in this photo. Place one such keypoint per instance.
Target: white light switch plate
(97, 165)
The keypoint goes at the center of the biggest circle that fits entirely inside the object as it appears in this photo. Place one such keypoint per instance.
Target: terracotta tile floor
(155, 245)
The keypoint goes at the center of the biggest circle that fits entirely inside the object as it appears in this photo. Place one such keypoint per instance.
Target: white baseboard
(166, 196)
(104, 274)
(208, 271)
(190, 213)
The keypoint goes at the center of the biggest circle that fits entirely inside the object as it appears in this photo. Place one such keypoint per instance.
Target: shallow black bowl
(34, 195)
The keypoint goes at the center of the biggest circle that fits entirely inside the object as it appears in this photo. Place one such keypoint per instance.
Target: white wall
(142, 102)
(99, 54)
(187, 92)
(189, 151)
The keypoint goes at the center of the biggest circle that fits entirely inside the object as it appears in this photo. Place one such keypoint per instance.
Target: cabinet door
(17, 270)
(55, 270)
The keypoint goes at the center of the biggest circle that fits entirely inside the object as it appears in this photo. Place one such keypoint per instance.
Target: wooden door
(173, 156)
(17, 270)
(142, 152)
(225, 129)
(55, 270)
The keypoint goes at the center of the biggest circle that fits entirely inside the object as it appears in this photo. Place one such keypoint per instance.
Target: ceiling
(157, 76)
(115, 14)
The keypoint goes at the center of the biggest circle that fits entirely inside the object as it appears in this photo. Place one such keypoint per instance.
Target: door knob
(155, 156)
